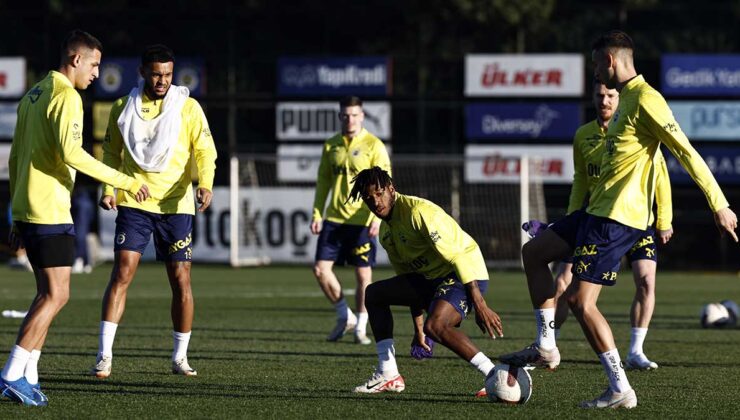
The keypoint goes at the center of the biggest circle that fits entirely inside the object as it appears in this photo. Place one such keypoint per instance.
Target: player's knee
(645, 285)
(58, 296)
(576, 305)
(434, 328)
(181, 287)
(531, 255)
(317, 272)
(123, 275)
(372, 295)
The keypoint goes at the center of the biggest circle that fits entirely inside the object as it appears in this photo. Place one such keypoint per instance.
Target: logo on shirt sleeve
(34, 94)
(435, 236)
(671, 127)
(76, 132)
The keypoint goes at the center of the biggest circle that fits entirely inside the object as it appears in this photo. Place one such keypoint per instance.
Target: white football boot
(533, 355)
(611, 399)
(379, 383)
(181, 367)
(102, 366)
(639, 362)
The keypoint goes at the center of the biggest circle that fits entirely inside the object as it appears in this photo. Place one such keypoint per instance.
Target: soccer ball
(715, 315)
(732, 309)
(509, 384)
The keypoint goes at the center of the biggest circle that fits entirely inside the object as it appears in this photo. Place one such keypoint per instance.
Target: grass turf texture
(258, 345)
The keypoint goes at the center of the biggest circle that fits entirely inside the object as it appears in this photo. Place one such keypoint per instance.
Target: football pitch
(259, 347)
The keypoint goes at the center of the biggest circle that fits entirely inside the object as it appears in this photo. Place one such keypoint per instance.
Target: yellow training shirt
(626, 187)
(47, 151)
(342, 159)
(588, 150)
(421, 238)
(171, 190)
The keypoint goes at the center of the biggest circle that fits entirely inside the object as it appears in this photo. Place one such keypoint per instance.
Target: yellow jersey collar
(347, 139)
(633, 84)
(61, 78)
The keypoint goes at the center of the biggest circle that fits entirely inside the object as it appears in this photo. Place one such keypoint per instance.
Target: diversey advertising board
(708, 120)
(319, 120)
(274, 224)
(524, 75)
(12, 77)
(700, 74)
(500, 120)
(502, 163)
(724, 162)
(337, 76)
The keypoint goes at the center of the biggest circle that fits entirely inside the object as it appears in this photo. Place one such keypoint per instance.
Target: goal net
(271, 197)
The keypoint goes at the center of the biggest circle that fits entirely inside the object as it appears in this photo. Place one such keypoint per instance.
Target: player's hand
(107, 202)
(142, 194)
(488, 321)
(726, 221)
(203, 196)
(374, 229)
(316, 226)
(422, 347)
(665, 235)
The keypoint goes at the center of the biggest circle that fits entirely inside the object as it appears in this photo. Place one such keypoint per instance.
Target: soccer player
(439, 268)
(588, 149)
(619, 209)
(154, 133)
(45, 155)
(347, 231)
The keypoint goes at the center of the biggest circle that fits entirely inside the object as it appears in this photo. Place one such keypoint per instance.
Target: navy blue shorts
(173, 233)
(567, 229)
(600, 245)
(448, 288)
(48, 245)
(346, 243)
(645, 248)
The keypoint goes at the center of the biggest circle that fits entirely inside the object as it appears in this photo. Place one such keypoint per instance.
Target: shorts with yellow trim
(645, 248)
(344, 243)
(448, 288)
(173, 233)
(600, 245)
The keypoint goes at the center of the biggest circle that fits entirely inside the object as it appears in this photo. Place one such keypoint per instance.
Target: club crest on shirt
(356, 152)
(610, 147)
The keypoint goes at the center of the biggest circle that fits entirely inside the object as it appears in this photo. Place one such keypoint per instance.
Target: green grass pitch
(258, 345)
